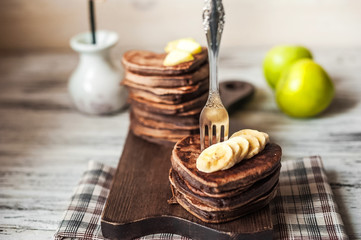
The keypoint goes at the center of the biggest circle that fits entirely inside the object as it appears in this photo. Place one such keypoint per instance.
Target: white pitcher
(95, 84)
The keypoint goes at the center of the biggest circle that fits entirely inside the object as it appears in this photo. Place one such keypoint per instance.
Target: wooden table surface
(45, 144)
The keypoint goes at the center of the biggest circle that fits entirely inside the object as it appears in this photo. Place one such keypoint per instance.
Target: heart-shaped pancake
(165, 81)
(246, 173)
(150, 63)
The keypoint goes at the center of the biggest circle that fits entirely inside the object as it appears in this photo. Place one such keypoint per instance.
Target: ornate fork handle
(213, 23)
(214, 120)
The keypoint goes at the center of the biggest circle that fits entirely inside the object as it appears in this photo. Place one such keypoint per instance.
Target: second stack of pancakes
(223, 196)
(165, 100)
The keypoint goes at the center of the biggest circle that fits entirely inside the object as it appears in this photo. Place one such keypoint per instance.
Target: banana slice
(266, 136)
(190, 46)
(254, 146)
(176, 57)
(214, 158)
(236, 153)
(172, 45)
(244, 145)
(261, 136)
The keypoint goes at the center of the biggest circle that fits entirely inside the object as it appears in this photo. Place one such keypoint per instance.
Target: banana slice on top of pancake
(214, 158)
(243, 144)
(250, 135)
(262, 137)
(254, 146)
(236, 153)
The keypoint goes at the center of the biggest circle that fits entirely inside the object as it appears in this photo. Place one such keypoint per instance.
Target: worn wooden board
(137, 202)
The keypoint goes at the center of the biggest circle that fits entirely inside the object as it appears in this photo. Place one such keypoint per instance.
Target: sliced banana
(235, 148)
(261, 136)
(244, 145)
(172, 45)
(176, 57)
(190, 46)
(236, 153)
(214, 158)
(266, 136)
(254, 146)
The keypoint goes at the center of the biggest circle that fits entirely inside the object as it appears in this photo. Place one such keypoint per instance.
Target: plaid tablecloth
(304, 207)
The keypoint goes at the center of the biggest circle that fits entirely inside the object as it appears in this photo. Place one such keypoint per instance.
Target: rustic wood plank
(44, 149)
(137, 202)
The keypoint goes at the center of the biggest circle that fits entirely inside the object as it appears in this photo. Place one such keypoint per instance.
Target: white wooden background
(42, 24)
(45, 145)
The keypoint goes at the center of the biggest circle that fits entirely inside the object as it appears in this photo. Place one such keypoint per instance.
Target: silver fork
(214, 120)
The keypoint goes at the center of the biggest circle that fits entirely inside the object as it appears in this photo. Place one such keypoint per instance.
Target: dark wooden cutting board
(137, 202)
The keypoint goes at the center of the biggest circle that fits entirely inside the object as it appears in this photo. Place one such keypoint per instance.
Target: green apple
(279, 58)
(304, 89)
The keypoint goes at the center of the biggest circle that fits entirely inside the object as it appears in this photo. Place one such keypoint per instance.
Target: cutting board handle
(235, 93)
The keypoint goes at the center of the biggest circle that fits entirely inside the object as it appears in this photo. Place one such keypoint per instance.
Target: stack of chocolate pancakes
(165, 100)
(227, 194)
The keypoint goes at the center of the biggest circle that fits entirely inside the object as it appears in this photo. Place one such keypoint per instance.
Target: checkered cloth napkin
(304, 207)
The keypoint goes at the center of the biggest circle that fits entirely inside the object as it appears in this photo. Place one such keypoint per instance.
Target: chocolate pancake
(228, 193)
(247, 172)
(184, 80)
(191, 112)
(159, 141)
(205, 207)
(206, 214)
(168, 91)
(160, 124)
(230, 200)
(182, 109)
(178, 121)
(150, 63)
(149, 135)
(167, 95)
(171, 135)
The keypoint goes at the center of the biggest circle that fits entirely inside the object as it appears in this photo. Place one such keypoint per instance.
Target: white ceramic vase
(95, 84)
